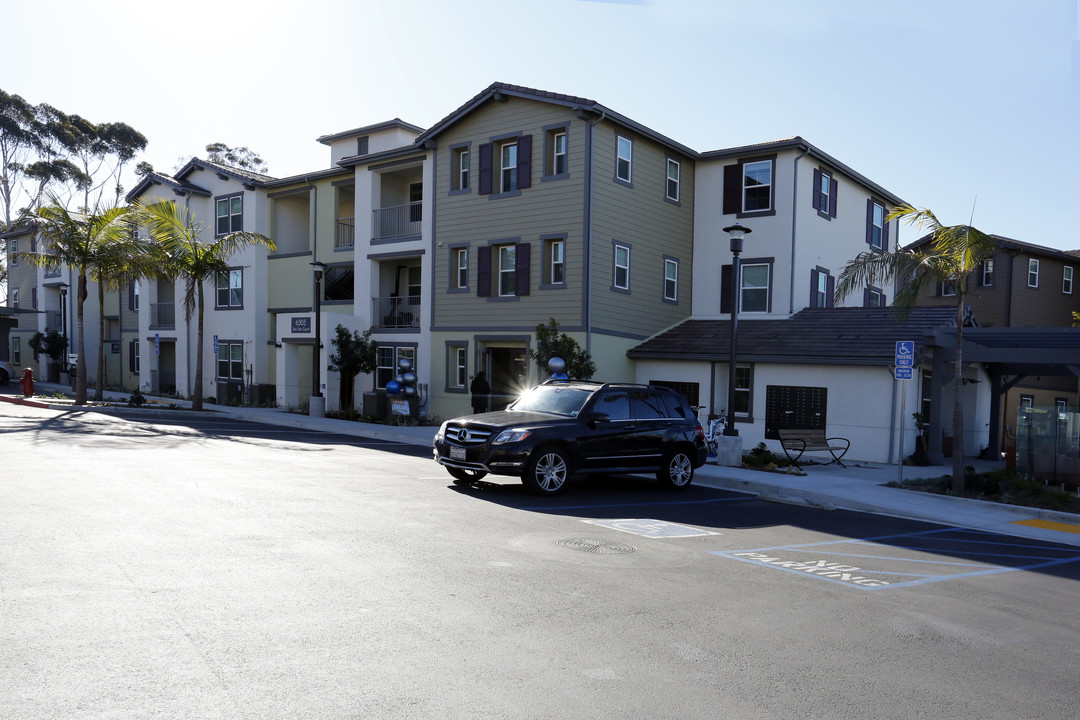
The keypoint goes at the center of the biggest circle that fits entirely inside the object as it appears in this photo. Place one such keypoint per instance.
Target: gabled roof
(799, 144)
(498, 90)
(156, 178)
(368, 129)
(17, 230)
(1010, 244)
(825, 336)
(384, 156)
(245, 176)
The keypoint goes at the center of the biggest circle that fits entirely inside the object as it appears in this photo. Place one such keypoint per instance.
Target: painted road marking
(895, 561)
(652, 528)
(1049, 525)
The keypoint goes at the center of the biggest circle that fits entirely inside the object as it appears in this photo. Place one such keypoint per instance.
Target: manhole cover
(597, 547)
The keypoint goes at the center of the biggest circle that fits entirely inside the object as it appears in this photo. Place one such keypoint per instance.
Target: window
(338, 283)
(555, 261)
(135, 295)
(824, 193)
(386, 361)
(743, 390)
(757, 186)
(459, 168)
(230, 361)
(877, 231)
(230, 214)
(13, 251)
(624, 155)
(1067, 280)
(33, 298)
(555, 152)
(508, 167)
(135, 359)
(873, 297)
(507, 255)
(505, 165)
(16, 351)
(822, 288)
(502, 269)
(754, 288)
(621, 277)
(1027, 401)
(416, 202)
(1033, 273)
(672, 180)
(230, 289)
(15, 298)
(671, 279)
(987, 275)
(947, 288)
(459, 268)
(458, 370)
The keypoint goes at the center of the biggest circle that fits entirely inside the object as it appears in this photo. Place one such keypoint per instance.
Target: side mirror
(596, 418)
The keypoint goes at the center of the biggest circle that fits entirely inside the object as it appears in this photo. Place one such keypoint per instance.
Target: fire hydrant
(27, 382)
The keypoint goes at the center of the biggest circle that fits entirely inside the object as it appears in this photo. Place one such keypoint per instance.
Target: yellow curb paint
(1047, 525)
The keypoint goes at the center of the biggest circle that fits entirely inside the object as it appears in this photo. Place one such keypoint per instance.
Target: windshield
(553, 399)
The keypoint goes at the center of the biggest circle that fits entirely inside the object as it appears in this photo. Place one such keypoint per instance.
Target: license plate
(457, 453)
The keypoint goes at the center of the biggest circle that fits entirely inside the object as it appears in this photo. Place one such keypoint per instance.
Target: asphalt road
(217, 569)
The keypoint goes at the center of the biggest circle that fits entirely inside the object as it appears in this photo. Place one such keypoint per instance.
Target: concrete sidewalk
(860, 486)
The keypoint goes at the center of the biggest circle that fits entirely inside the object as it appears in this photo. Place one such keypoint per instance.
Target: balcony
(346, 234)
(398, 221)
(163, 315)
(396, 312)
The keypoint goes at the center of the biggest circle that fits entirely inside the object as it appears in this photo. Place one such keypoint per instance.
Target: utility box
(375, 405)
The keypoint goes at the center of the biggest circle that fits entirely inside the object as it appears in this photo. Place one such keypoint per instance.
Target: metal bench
(799, 441)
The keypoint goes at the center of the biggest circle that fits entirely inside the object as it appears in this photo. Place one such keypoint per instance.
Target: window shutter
(521, 268)
(485, 173)
(866, 297)
(815, 196)
(885, 234)
(483, 271)
(725, 288)
(131, 296)
(830, 290)
(834, 190)
(524, 165)
(869, 221)
(813, 285)
(881, 300)
(131, 355)
(732, 189)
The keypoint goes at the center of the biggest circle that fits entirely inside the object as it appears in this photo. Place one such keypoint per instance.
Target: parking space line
(640, 504)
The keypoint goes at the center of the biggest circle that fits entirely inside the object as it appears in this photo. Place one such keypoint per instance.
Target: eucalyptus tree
(953, 253)
(186, 255)
(78, 241)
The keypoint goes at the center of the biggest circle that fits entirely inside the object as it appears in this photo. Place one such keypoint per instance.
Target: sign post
(903, 370)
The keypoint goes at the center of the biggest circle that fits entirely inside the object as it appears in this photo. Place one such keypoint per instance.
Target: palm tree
(118, 262)
(178, 232)
(76, 240)
(953, 253)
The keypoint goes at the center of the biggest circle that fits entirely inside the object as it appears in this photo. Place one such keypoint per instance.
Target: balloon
(556, 365)
(404, 365)
(393, 387)
(408, 391)
(409, 379)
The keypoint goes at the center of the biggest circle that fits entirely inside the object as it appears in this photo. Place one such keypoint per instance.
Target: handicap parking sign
(905, 353)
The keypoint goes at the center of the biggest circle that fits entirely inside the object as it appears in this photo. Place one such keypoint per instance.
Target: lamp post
(736, 232)
(317, 403)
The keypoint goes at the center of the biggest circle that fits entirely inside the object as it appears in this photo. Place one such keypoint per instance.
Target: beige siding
(653, 227)
(546, 208)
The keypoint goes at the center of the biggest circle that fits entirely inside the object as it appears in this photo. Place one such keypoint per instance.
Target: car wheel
(547, 471)
(461, 475)
(677, 472)
(3, 378)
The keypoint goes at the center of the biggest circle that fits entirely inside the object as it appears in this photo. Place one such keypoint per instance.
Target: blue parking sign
(905, 353)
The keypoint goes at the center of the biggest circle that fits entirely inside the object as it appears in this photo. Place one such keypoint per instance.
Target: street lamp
(736, 232)
(317, 403)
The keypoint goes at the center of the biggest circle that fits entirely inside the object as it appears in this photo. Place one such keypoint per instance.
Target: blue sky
(950, 104)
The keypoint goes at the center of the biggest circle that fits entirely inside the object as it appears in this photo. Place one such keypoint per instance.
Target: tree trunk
(99, 389)
(196, 397)
(958, 402)
(80, 345)
(345, 392)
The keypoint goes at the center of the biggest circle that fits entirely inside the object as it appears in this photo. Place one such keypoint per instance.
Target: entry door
(507, 372)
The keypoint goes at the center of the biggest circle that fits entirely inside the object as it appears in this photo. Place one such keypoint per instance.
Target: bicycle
(713, 430)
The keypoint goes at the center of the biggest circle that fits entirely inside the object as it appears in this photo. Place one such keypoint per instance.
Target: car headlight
(511, 436)
(442, 432)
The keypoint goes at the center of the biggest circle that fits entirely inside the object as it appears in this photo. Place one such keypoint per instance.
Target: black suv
(560, 429)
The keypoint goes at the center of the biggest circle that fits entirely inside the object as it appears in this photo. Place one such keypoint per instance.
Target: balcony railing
(397, 221)
(396, 312)
(163, 315)
(346, 235)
